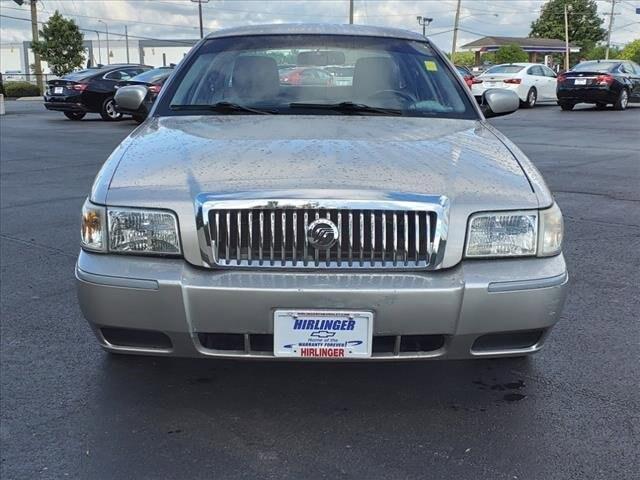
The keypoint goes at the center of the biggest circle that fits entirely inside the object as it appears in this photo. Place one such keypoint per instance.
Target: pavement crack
(37, 245)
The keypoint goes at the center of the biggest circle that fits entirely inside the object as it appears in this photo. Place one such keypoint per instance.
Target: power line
(93, 30)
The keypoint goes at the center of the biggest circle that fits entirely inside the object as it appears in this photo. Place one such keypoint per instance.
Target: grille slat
(366, 238)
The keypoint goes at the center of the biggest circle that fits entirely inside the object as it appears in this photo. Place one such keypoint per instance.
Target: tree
(60, 45)
(585, 26)
(631, 51)
(511, 54)
(463, 58)
(598, 52)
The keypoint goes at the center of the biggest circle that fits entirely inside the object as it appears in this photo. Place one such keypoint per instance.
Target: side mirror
(130, 97)
(497, 102)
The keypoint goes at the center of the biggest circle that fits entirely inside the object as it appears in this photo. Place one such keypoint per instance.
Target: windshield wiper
(223, 107)
(347, 107)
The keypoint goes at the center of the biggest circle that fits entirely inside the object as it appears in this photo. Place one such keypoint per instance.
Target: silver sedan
(379, 219)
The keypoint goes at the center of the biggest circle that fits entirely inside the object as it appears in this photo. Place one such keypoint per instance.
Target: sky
(179, 18)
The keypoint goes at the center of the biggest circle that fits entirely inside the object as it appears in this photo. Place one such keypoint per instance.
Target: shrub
(511, 53)
(21, 89)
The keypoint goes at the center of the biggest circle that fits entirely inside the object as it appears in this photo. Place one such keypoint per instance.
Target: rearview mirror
(130, 97)
(497, 102)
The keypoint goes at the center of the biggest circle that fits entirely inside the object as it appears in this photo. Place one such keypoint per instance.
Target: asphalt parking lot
(69, 410)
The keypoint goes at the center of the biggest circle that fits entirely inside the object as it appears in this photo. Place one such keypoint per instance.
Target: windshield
(595, 66)
(305, 74)
(153, 76)
(504, 69)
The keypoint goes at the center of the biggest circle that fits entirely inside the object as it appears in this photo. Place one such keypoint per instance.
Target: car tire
(622, 101)
(566, 106)
(74, 115)
(108, 111)
(532, 99)
(139, 118)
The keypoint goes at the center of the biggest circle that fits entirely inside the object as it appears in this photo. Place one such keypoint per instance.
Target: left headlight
(515, 234)
(139, 231)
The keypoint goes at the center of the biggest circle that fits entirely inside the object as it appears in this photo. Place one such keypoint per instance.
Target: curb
(29, 99)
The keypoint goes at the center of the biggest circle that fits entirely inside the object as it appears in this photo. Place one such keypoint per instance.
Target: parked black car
(89, 91)
(602, 82)
(153, 81)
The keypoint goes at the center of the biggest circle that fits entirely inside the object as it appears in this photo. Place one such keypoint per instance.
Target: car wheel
(566, 106)
(139, 118)
(109, 112)
(623, 100)
(74, 115)
(532, 98)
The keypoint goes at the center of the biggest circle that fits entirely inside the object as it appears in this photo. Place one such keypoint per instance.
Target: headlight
(129, 230)
(515, 234)
(143, 231)
(502, 234)
(551, 232)
(92, 230)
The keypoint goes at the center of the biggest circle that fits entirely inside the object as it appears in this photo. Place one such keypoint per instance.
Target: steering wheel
(381, 94)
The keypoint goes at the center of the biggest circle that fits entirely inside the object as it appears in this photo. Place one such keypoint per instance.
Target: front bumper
(460, 305)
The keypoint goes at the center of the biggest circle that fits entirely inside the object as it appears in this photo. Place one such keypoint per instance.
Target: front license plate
(58, 89)
(330, 334)
(580, 81)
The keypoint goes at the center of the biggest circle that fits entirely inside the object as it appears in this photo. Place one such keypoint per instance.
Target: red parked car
(466, 74)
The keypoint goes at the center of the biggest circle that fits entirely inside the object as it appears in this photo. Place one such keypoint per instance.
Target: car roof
(317, 29)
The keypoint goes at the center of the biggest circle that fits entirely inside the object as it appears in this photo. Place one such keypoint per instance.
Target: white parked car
(533, 82)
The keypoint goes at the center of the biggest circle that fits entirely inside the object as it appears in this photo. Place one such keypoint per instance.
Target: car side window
(629, 67)
(548, 72)
(118, 75)
(623, 68)
(536, 70)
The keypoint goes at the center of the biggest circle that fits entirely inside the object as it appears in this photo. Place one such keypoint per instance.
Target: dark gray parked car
(381, 220)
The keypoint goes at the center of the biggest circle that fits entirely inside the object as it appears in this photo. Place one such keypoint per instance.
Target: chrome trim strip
(121, 282)
(518, 285)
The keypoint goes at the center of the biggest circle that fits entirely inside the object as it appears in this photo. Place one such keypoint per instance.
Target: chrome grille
(274, 235)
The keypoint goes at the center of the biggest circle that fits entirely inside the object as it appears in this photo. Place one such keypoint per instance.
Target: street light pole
(99, 49)
(424, 21)
(350, 12)
(126, 41)
(108, 49)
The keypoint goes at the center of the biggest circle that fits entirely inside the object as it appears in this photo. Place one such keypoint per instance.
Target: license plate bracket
(580, 81)
(322, 334)
(58, 90)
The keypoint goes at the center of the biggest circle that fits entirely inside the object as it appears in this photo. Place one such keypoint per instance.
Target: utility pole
(200, 2)
(34, 38)
(455, 31)
(613, 6)
(566, 36)
(126, 42)
(350, 12)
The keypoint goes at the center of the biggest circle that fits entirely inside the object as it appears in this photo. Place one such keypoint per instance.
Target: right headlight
(515, 233)
(129, 230)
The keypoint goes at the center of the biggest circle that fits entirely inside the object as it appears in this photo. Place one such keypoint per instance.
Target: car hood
(168, 161)
(457, 158)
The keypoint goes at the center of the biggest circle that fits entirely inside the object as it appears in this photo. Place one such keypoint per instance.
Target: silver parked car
(384, 219)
